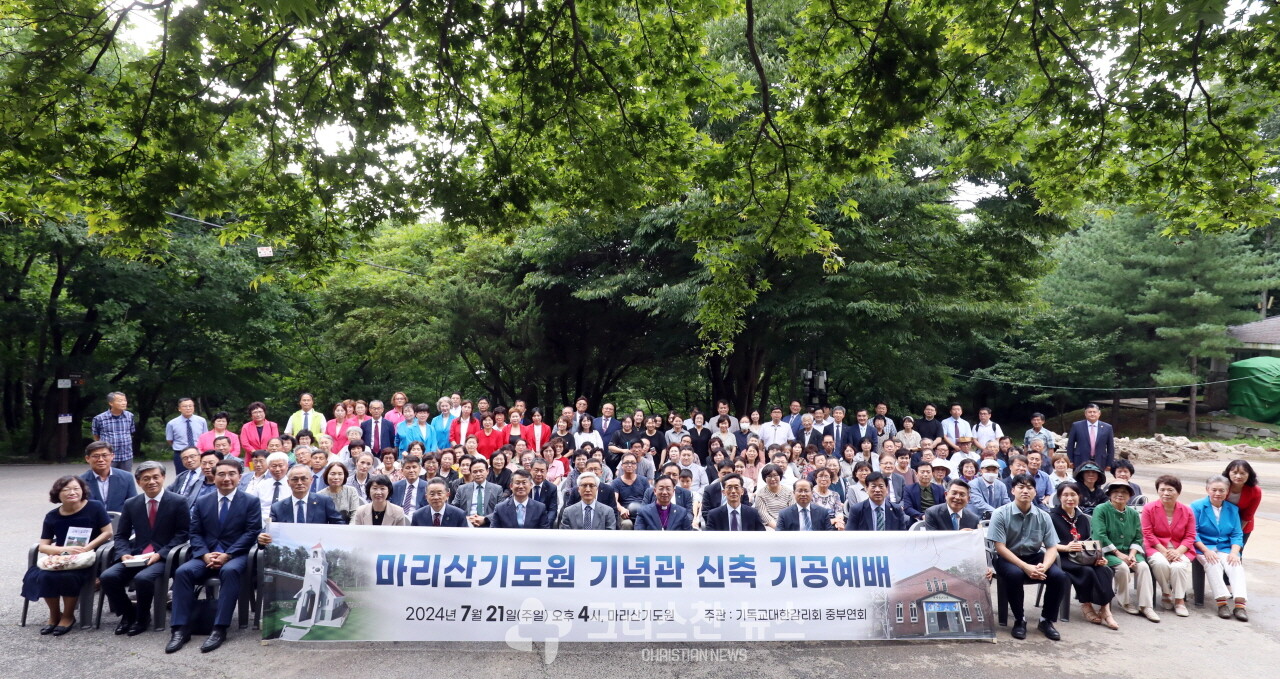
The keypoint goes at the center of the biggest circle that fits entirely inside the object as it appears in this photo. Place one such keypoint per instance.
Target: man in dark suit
(1091, 440)
(876, 513)
(410, 493)
(153, 524)
(839, 430)
(663, 514)
(224, 525)
(377, 432)
(861, 431)
(713, 496)
(804, 515)
(683, 496)
(955, 514)
(479, 496)
(191, 475)
(109, 485)
(438, 513)
(303, 506)
(915, 499)
(733, 515)
(808, 434)
(543, 490)
(606, 424)
(517, 511)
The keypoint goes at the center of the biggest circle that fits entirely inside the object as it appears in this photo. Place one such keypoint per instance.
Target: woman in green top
(1118, 528)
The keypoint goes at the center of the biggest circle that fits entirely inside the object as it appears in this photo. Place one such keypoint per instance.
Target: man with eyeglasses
(733, 516)
(108, 484)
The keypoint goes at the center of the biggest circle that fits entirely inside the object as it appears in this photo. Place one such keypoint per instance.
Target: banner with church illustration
(370, 583)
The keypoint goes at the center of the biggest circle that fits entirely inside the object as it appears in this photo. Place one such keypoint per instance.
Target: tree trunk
(1151, 412)
(1191, 404)
(1115, 408)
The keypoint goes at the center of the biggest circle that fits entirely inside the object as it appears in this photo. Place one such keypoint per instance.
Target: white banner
(349, 583)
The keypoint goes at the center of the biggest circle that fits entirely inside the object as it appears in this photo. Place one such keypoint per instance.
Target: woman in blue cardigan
(1219, 539)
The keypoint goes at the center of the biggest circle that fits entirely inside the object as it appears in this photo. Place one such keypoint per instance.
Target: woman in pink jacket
(1169, 536)
(258, 430)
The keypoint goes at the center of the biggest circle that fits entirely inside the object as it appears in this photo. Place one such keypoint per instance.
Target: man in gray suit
(588, 514)
(479, 496)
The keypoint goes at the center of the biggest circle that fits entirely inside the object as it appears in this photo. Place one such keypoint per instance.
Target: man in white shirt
(455, 404)
(986, 430)
(954, 427)
(690, 462)
(274, 486)
(776, 431)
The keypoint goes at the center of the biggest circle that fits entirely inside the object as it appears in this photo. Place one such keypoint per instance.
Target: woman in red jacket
(258, 430)
(1244, 493)
(536, 433)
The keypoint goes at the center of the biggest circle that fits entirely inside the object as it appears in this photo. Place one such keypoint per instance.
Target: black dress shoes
(177, 641)
(1019, 630)
(123, 626)
(1049, 630)
(214, 641)
(62, 629)
(47, 630)
(139, 627)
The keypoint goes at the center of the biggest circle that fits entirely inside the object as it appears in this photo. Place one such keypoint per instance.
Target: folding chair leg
(1197, 582)
(25, 604)
(86, 606)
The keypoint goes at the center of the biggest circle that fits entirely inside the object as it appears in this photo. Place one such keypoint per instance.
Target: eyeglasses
(100, 456)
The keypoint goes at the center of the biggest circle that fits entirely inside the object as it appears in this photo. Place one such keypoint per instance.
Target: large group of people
(1062, 513)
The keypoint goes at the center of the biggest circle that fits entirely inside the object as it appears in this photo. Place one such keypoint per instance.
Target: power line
(1049, 386)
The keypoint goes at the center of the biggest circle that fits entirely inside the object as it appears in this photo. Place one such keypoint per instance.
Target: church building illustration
(935, 603)
(319, 601)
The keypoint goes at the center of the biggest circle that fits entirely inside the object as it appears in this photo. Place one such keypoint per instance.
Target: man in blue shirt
(183, 431)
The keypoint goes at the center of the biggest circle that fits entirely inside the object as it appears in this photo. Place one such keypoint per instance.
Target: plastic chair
(159, 606)
(85, 599)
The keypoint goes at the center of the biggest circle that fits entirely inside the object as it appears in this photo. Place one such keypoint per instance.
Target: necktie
(275, 493)
(1093, 438)
(191, 438)
(299, 513)
(186, 488)
(222, 509)
(435, 519)
(377, 440)
(957, 426)
(990, 493)
(306, 421)
(804, 519)
(151, 512)
(879, 518)
(586, 517)
(520, 515)
(479, 498)
(955, 521)
(733, 521)
(837, 437)
(537, 493)
(410, 495)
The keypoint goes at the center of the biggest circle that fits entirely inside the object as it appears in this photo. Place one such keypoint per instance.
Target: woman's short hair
(771, 469)
(1217, 478)
(346, 475)
(1169, 480)
(1065, 485)
(221, 415)
(1122, 464)
(378, 480)
(1067, 458)
(62, 483)
(255, 406)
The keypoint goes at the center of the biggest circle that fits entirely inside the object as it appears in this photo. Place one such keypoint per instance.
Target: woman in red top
(489, 438)
(536, 434)
(255, 433)
(1169, 536)
(1244, 493)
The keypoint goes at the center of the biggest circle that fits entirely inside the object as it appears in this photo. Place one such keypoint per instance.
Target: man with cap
(987, 491)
